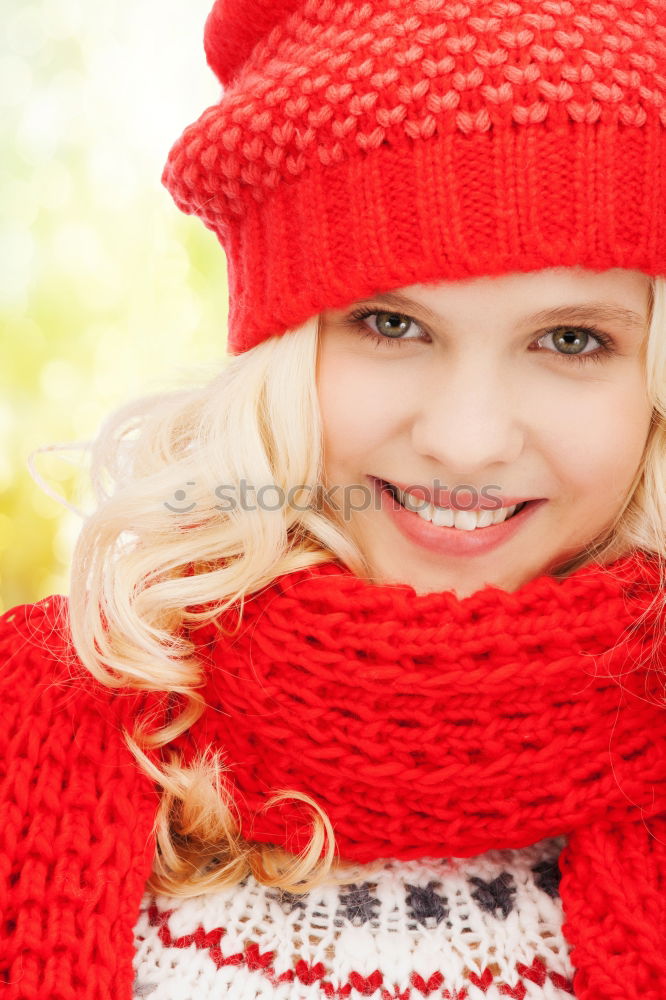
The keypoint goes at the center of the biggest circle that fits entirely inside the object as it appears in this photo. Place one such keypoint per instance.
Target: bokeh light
(106, 290)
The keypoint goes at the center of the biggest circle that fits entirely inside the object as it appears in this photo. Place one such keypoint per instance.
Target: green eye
(570, 341)
(390, 326)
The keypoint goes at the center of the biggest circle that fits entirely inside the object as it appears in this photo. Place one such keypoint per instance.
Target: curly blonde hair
(134, 592)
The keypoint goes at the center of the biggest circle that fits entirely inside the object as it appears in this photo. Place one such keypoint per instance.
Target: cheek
(626, 423)
(601, 446)
(340, 404)
(357, 411)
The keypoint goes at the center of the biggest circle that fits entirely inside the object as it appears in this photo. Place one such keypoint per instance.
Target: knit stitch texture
(362, 146)
(75, 838)
(425, 727)
(486, 928)
(428, 725)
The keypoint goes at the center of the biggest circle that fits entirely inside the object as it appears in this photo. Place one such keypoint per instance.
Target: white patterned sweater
(488, 927)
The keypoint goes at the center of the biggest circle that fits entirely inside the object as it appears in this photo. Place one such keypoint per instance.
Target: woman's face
(476, 394)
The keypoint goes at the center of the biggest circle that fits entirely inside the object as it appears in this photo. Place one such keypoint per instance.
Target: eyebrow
(605, 312)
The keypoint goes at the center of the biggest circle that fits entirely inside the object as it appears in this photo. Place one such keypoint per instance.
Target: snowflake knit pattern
(482, 929)
(425, 726)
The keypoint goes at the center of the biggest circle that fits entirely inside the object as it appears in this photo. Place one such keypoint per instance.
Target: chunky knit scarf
(427, 725)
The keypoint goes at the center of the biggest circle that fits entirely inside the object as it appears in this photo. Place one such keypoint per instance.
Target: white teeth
(445, 517)
(441, 517)
(486, 517)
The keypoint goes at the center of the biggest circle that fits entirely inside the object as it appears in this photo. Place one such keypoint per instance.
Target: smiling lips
(467, 536)
(442, 498)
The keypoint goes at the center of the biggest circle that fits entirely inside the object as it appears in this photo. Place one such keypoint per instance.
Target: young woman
(359, 687)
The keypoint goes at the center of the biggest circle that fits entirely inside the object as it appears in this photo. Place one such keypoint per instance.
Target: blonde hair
(135, 591)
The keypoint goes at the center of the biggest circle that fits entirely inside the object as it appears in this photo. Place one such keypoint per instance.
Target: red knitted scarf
(427, 725)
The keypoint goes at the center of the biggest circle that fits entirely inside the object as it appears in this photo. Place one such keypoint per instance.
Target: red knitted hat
(371, 144)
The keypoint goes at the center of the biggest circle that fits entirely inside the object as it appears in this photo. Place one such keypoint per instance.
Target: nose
(468, 418)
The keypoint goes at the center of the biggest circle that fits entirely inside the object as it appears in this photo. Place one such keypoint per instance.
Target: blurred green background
(106, 290)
